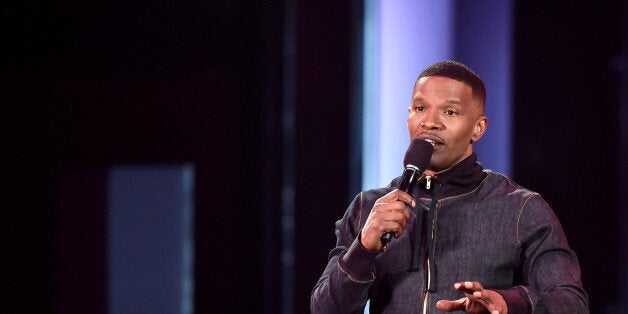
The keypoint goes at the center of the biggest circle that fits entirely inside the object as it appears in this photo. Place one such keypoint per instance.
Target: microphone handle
(410, 177)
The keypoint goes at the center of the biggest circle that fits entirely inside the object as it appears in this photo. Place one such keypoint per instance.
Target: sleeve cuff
(358, 262)
(516, 300)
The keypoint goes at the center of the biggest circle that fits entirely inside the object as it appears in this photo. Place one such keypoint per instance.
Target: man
(466, 239)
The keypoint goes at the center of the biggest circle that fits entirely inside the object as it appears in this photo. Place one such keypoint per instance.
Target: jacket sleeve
(550, 273)
(343, 287)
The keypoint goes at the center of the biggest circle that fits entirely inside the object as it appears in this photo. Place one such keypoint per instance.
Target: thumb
(450, 306)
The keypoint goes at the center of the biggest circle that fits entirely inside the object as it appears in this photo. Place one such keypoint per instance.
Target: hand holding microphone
(390, 213)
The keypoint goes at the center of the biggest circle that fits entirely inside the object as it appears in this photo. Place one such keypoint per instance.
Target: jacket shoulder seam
(523, 205)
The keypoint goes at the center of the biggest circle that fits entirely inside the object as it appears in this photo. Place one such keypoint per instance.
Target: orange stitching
(519, 217)
(353, 279)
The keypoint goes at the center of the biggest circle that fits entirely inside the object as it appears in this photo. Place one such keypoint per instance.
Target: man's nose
(431, 121)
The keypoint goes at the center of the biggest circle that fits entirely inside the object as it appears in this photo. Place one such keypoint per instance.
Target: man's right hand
(389, 214)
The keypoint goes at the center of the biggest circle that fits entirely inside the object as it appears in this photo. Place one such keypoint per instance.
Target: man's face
(444, 112)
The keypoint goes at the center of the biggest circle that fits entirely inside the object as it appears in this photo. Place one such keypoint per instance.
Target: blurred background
(193, 156)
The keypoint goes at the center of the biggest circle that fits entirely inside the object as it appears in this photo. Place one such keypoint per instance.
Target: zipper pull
(428, 182)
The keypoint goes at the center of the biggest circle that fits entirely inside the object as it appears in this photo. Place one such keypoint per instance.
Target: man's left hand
(476, 300)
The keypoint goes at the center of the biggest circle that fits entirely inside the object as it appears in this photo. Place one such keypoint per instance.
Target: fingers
(468, 286)
(479, 298)
(389, 220)
(398, 195)
(388, 217)
(396, 200)
(476, 300)
(390, 209)
(472, 289)
(389, 214)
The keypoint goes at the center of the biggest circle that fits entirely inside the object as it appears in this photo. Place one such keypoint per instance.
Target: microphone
(415, 161)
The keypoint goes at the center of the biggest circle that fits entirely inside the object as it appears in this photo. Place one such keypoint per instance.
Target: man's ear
(480, 127)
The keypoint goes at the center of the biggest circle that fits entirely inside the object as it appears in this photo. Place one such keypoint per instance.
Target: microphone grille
(418, 154)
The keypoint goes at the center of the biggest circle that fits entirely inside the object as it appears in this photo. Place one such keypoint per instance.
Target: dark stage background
(88, 85)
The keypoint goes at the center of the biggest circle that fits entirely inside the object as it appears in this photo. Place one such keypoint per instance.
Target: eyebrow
(454, 102)
(450, 101)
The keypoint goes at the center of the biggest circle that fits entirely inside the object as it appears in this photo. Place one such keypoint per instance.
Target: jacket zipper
(427, 291)
(430, 231)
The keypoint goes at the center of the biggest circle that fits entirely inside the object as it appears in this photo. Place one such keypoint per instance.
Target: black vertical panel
(623, 221)
(323, 102)
(271, 157)
(288, 153)
(80, 260)
(566, 133)
(26, 201)
(94, 84)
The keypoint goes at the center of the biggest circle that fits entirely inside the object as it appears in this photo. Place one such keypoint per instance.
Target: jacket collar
(461, 178)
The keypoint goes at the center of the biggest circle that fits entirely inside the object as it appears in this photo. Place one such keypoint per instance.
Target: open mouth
(435, 141)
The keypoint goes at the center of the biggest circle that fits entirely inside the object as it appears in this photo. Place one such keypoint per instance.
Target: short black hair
(459, 72)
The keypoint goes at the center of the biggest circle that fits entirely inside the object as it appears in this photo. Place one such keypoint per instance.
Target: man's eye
(419, 108)
(450, 112)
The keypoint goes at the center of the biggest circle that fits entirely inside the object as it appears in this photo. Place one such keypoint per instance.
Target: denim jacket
(469, 224)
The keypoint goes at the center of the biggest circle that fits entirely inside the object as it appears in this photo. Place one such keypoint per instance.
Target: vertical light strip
(150, 239)
(483, 34)
(370, 95)
(401, 38)
(187, 245)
